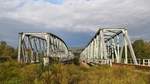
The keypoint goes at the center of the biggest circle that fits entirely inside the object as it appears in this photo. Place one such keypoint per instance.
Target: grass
(15, 73)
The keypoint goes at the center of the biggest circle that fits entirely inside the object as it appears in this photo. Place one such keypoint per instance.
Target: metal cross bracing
(40, 46)
(107, 46)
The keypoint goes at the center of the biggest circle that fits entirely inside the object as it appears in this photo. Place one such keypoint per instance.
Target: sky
(75, 21)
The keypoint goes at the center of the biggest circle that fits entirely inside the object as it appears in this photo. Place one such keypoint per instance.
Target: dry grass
(14, 73)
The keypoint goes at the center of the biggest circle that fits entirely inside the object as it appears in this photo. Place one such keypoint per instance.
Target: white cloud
(78, 15)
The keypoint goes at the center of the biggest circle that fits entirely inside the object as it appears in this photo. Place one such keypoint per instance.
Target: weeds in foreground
(14, 73)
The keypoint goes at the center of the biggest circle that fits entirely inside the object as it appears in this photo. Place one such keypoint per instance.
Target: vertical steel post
(46, 58)
(126, 50)
(131, 48)
(19, 47)
(101, 45)
(118, 48)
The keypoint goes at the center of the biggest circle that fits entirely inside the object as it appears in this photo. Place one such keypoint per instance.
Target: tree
(6, 51)
(141, 49)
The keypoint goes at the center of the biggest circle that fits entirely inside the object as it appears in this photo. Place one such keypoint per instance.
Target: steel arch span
(40, 46)
(107, 46)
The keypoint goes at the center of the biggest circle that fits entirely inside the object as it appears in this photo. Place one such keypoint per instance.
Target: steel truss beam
(109, 44)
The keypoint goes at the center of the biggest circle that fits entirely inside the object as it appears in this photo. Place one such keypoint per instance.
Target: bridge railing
(143, 62)
(107, 61)
(146, 62)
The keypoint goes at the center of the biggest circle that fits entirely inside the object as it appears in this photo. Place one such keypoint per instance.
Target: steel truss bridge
(109, 45)
(36, 47)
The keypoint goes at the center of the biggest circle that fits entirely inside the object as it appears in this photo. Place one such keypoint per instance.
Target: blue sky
(76, 21)
(55, 1)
